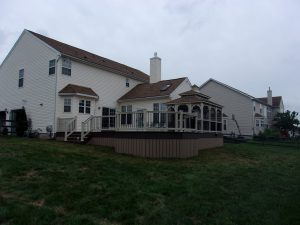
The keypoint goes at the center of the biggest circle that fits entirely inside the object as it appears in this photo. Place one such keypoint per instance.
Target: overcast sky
(248, 44)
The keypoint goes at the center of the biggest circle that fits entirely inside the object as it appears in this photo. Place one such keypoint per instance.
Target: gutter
(142, 98)
(55, 99)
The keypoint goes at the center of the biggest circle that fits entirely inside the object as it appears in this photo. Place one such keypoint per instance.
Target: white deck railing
(70, 127)
(142, 121)
(87, 127)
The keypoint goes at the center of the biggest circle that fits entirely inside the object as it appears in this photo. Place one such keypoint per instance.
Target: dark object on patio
(5, 131)
(21, 122)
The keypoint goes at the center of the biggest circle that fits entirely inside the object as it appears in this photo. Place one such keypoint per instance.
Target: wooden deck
(158, 145)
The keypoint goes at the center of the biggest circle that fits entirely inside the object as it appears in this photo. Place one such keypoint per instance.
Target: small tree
(21, 122)
(287, 122)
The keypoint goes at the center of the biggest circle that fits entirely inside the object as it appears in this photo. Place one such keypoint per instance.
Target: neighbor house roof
(159, 89)
(96, 60)
(192, 92)
(275, 100)
(191, 99)
(72, 89)
(233, 89)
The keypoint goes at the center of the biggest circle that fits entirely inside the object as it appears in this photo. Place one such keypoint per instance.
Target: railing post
(75, 127)
(145, 121)
(196, 122)
(176, 121)
(82, 132)
(66, 138)
(66, 130)
(116, 121)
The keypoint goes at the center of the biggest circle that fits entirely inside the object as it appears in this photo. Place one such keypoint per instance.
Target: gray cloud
(250, 45)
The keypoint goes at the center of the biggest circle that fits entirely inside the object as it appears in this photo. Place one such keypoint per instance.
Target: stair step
(76, 138)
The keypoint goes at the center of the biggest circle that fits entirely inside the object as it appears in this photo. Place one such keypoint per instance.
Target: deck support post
(181, 121)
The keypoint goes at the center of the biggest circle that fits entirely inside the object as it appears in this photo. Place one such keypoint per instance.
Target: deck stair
(76, 138)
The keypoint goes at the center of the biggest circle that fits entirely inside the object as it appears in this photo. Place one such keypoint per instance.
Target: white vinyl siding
(109, 86)
(234, 103)
(183, 87)
(38, 94)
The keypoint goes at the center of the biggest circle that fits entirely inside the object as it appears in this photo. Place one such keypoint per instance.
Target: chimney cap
(155, 54)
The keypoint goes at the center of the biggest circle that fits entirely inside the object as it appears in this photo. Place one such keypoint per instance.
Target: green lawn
(49, 182)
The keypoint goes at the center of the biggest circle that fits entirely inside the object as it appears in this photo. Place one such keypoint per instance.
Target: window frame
(21, 78)
(126, 116)
(224, 125)
(257, 123)
(159, 117)
(66, 67)
(52, 68)
(84, 106)
(67, 105)
(108, 117)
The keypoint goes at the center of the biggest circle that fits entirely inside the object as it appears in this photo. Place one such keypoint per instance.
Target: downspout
(56, 74)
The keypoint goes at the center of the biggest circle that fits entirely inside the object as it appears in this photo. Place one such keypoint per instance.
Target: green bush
(268, 134)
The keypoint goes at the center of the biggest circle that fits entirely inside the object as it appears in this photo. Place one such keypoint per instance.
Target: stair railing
(87, 126)
(70, 128)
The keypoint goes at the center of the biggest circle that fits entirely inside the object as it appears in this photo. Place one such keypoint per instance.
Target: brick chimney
(269, 94)
(155, 69)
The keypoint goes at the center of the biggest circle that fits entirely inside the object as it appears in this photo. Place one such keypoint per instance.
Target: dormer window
(165, 87)
(66, 66)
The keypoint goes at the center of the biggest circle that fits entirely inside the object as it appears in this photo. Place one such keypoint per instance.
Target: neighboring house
(58, 84)
(243, 113)
(276, 103)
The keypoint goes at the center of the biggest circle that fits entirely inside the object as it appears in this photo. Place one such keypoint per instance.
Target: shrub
(268, 134)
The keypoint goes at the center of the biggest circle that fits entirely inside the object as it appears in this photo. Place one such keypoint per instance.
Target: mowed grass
(49, 182)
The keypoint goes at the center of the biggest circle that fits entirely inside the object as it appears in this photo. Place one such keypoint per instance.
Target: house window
(126, 116)
(85, 106)
(127, 82)
(262, 123)
(108, 117)
(257, 123)
(159, 117)
(52, 67)
(224, 124)
(254, 108)
(21, 78)
(269, 113)
(260, 109)
(66, 66)
(67, 105)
